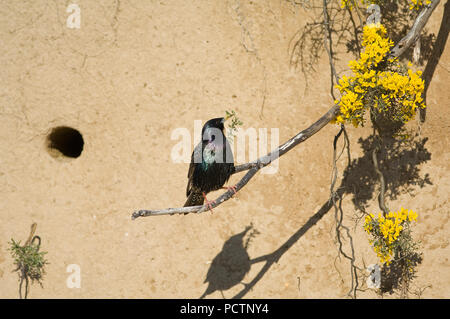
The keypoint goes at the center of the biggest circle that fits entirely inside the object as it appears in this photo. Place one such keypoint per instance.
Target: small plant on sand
(29, 260)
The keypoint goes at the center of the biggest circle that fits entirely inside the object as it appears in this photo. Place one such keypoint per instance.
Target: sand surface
(133, 73)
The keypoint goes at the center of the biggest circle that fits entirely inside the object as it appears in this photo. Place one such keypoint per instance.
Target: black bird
(212, 164)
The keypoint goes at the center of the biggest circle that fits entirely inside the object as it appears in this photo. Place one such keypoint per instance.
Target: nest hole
(66, 141)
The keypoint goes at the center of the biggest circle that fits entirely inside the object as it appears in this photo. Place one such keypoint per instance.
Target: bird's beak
(224, 119)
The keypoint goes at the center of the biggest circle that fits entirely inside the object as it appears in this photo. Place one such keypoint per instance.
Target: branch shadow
(231, 265)
(435, 55)
(274, 257)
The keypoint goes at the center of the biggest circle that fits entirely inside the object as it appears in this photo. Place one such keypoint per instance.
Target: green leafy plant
(29, 260)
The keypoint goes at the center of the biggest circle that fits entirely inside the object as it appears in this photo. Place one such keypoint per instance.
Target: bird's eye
(213, 137)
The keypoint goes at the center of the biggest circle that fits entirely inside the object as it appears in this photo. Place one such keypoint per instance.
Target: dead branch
(339, 214)
(414, 33)
(255, 166)
(328, 44)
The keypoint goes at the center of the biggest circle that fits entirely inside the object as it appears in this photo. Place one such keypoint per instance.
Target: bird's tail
(194, 199)
(204, 294)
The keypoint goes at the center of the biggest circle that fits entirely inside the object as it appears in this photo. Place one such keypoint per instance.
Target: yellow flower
(385, 231)
(393, 91)
(417, 4)
(412, 216)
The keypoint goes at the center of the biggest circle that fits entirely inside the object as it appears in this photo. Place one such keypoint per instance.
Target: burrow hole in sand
(65, 141)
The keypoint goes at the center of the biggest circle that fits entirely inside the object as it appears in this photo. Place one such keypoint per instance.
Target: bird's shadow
(232, 263)
(399, 162)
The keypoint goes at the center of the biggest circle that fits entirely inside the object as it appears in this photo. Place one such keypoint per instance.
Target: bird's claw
(233, 188)
(209, 203)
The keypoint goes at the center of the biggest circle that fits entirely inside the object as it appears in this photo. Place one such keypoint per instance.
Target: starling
(211, 165)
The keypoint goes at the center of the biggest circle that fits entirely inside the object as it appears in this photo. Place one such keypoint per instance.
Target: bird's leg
(208, 203)
(233, 188)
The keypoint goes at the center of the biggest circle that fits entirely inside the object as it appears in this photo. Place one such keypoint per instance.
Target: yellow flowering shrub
(386, 231)
(417, 4)
(378, 83)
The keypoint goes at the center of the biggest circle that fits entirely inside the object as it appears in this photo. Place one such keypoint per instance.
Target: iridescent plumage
(212, 163)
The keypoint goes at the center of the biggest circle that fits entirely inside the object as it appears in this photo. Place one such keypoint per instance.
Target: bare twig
(336, 195)
(357, 12)
(438, 49)
(30, 237)
(302, 136)
(328, 44)
(355, 29)
(353, 269)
